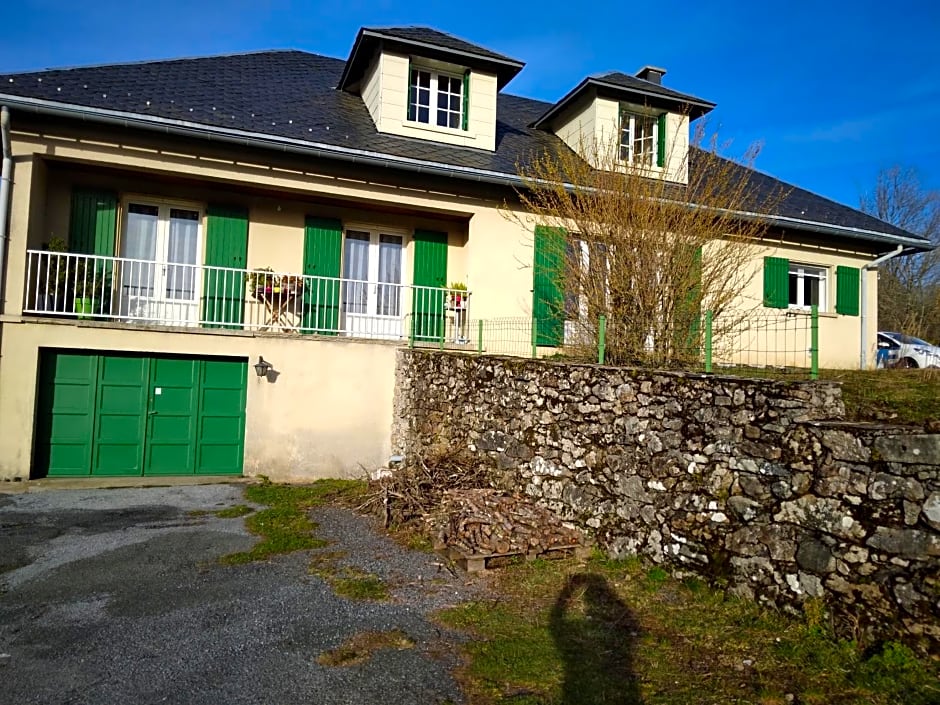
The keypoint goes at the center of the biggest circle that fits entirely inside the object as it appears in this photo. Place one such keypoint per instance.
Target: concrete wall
(741, 481)
(326, 413)
(385, 92)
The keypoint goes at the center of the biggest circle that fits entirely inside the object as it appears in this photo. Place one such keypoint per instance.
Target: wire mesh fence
(760, 343)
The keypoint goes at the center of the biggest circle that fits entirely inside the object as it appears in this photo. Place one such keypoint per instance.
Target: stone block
(908, 449)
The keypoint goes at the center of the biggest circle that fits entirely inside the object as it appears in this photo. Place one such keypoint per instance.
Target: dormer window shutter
(465, 117)
(411, 93)
(661, 141)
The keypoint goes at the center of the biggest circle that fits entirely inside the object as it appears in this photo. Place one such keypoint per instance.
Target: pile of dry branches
(415, 490)
(488, 522)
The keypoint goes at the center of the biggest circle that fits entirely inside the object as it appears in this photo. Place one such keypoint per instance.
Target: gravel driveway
(116, 596)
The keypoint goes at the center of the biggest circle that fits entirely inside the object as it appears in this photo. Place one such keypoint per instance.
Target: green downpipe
(601, 339)
(708, 342)
(814, 343)
(480, 337)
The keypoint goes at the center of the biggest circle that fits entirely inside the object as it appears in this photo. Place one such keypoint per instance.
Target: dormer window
(437, 98)
(642, 138)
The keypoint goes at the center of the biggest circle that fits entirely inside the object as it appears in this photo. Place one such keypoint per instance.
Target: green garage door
(125, 414)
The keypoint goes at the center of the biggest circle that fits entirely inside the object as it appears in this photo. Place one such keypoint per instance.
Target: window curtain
(181, 250)
(140, 243)
(356, 268)
(389, 297)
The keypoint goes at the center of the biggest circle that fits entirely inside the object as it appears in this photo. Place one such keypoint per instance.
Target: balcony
(136, 292)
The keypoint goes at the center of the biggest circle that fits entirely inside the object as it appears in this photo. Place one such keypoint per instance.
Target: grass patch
(285, 526)
(346, 581)
(360, 648)
(898, 396)
(602, 632)
(239, 510)
(357, 585)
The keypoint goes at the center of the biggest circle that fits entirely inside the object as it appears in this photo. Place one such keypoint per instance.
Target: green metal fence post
(535, 337)
(814, 342)
(601, 339)
(708, 342)
(443, 328)
(480, 337)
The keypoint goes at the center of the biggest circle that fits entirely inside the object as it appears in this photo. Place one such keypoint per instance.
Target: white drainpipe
(6, 178)
(863, 349)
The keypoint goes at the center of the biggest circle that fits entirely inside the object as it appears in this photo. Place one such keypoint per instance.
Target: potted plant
(261, 282)
(458, 296)
(92, 281)
(52, 285)
(292, 283)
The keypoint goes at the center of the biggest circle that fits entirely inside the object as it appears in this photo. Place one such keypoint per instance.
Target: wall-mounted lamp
(262, 367)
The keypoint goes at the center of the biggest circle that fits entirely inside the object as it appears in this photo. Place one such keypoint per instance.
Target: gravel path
(116, 596)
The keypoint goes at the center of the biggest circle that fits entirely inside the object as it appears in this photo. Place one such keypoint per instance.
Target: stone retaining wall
(755, 484)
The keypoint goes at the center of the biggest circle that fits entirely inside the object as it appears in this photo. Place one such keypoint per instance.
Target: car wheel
(908, 364)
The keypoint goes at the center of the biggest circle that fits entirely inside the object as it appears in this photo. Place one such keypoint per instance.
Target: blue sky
(833, 90)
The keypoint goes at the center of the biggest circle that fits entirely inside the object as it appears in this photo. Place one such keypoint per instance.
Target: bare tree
(908, 287)
(648, 252)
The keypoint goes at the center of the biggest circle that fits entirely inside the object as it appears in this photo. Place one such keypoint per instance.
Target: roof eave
(377, 159)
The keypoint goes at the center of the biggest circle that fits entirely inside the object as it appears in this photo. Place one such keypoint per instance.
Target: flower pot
(85, 306)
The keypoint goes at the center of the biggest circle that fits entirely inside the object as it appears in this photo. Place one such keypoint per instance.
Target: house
(211, 262)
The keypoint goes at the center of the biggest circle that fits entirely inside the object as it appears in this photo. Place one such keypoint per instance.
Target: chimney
(653, 74)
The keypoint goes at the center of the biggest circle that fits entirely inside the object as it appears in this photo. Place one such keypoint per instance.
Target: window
(807, 286)
(586, 277)
(640, 138)
(161, 243)
(437, 99)
(372, 286)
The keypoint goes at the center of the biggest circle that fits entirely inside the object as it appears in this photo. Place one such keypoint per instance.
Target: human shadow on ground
(596, 635)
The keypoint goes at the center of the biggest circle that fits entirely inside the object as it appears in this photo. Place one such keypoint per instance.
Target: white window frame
(802, 272)
(375, 234)
(164, 206)
(628, 128)
(434, 110)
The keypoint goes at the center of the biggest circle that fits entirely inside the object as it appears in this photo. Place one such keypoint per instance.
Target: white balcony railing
(138, 292)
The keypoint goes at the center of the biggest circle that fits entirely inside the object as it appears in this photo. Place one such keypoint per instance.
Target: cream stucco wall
(327, 412)
(782, 336)
(385, 93)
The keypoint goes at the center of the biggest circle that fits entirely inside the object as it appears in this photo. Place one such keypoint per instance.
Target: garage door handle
(151, 413)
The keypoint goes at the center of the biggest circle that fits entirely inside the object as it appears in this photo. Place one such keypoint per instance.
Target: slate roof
(290, 98)
(433, 37)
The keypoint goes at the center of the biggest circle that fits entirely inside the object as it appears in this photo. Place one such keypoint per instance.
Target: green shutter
(661, 142)
(226, 246)
(411, 94)
(548, 298)
(430, 271)
(776, 282)
(92, 222)
(688, 318)
(323, 248)
(847, 286)
(465, 115)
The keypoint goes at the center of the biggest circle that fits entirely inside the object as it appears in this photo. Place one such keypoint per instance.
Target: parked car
(900, 350)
